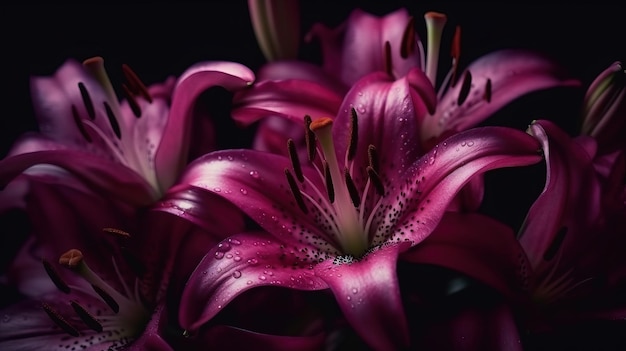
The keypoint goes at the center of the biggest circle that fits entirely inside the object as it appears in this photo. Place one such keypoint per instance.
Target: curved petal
(413, 207)
(299, 70)
(511, 73)
(367, 292)
(290, 98)
(357, 46)
(151, 339)
(569, 204)
(477, 246)
(170, 156)
(255, 182)
(107, 177)
(237, 264)
(388, 117)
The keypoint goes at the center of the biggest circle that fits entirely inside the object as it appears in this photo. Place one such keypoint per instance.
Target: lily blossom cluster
(354, 218)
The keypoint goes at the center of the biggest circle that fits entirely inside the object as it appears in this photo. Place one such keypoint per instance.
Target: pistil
(435, 23)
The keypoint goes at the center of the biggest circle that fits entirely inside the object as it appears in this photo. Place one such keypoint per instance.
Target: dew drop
(244, 191)
(230, 158)
(470, 143)
(236, 274)
(355, 290)
(237, 259)
(254, 174)
(234, 241)
(249, 282)
(223, 247)
(217, 190)
(463, 144)
(219, 255)
(253, 261)
(349, 297)
(262, 277)
(229, 256)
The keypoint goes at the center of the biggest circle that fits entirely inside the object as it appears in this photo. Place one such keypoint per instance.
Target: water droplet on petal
(253, 261)
(262, 277)
(217, 190)
(237, 259)
(254, 174)
(244, 191)
(355, 290)
(230, 158)
(236, 274)
(223, 247)
(249, 282)
(234, 241)
(470, 143)
(229, 256)
(219, 255)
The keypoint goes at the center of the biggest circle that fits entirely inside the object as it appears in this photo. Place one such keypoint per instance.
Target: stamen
(354, 193)
(372, 156)
(465, 88)
(116, 231)
(108, 299)
(455, 52)
(80, 126)
(434, 24)
(95, 66)
(555, 245)
(408, 39)
(375, 179)
(113, 121)
(295, 191)
(487, 94)
(309, 138)
(86, 317)
(387, 59)
(72, 258)
(354, 134)
(295, 161)
(328, 179)
(135, 83)
(134, 106)
(55, 277)
(87, 101)
(59, 320)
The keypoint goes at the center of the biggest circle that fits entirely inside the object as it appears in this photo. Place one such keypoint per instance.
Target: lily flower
(88, 282)
(131, 149)
(365, 43)
(576, 249)
(340, 220)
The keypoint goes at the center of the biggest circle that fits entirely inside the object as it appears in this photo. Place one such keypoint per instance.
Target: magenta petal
(477, 246)
(151, 338)
(356, 47)
(230, 338)
(367, 292)
(435, 179)
(242, 262)
(299, 70)
(290, 98)
(512, 73)
(105, 176)
(570, 200)
(171, 157)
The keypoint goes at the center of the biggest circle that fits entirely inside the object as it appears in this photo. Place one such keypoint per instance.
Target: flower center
(104, 122)
(126, 317)
(342, 207)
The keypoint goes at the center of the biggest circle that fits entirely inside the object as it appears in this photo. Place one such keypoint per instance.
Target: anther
(295, 191)
(465, 88)
(59, 320)
(113, 120)
(71, 258)
(376, 181)
(309, 138)
(354, 134)
(135, 84)
(87, 101)
(116, 231)
(86, 317)
(352, 190)
(455, 52)
(328, 179)
(108, 299)
(134, 106)
(372, 156)
(487, 94)
(55, 277)
(79, 125)
(407, 47)
(387, 59)
(295, 161)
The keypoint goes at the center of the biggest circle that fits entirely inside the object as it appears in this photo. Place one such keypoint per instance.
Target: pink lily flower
(132, 149)
(365, 43)
(340, 223)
